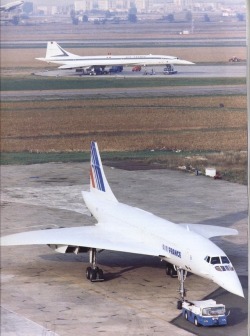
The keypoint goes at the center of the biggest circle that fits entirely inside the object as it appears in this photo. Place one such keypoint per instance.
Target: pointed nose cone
(230, 281)
(237, 290)
(183, 62)
(186, 62)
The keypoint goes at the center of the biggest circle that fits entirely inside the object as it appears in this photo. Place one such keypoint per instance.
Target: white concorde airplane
(56, 54)
(120, 227)
(11, 6)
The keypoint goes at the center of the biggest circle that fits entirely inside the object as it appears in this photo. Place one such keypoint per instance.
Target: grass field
(51, 83)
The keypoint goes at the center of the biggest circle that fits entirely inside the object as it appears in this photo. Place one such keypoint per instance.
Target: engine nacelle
(68, 248)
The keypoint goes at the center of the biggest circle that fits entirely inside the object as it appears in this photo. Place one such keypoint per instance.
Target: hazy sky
(53, 2)
(68, 2)
(71, 2)
(43, 2)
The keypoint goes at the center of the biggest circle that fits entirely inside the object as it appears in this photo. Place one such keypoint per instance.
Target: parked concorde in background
(120, 227)
(92, 64)
(11, 6)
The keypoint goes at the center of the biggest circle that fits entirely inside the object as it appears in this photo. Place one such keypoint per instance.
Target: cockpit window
(215, 260)
(225, 260)
(207, 258)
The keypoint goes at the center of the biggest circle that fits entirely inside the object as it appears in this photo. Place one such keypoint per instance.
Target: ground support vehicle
(236, 59)
(204, 313)
(92, 71)
(169, 70)
(115, 69)
(136, 68)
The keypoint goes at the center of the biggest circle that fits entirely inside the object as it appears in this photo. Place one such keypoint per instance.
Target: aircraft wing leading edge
(98, 237)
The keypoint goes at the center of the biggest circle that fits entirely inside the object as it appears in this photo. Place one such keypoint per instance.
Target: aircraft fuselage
(174, 243)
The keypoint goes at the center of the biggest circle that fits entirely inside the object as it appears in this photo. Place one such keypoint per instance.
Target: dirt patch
(230, 166)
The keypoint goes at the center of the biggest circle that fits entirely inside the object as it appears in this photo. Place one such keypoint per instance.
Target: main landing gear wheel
(170, 270)
(88, 271)
(94, 273)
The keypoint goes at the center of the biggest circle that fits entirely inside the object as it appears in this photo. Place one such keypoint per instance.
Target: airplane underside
(103, 70)
(98, 70)
(95, 274)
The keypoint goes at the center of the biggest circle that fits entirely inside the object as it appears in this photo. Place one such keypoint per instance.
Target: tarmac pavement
(183, 71)
(46, 293)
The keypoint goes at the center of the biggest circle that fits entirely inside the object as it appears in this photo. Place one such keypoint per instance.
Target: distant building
(44, 10)
(152, 6)
(103, 5)
(112, 5)
(183, 4)
(82, 5)
(142, 5)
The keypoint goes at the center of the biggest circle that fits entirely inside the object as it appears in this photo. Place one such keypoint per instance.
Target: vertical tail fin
(54, 51)
(98, 181)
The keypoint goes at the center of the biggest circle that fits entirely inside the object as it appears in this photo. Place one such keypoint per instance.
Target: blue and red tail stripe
(95, 170)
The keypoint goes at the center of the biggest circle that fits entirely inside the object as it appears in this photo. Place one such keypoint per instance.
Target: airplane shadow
(109, 276)
(120, 262)
(109, 259)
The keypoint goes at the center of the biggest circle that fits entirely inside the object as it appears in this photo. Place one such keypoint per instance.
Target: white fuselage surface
(56, 54)
(172, 242)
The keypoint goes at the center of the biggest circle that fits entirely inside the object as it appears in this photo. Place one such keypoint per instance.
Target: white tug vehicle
(205, 313)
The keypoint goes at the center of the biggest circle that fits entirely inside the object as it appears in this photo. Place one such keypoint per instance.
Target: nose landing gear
(174, 272)
(182, 274)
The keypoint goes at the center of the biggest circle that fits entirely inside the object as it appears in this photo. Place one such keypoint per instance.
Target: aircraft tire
(179, 304)
(88, 271)
(172, 272)
(168, 269)
(93, 275)
(99, 274)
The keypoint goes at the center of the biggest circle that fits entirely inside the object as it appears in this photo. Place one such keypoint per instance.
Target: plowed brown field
(126, 124)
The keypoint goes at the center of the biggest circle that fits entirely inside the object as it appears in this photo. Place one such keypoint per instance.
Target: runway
(193, 71)
(47, 293)
(184, 71)
(133, 42)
